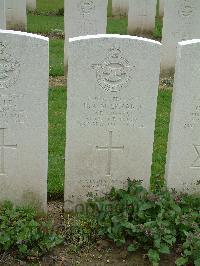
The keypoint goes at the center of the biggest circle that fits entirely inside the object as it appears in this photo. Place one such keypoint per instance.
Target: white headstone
(161, 8)
(31, 5)
(84, 17)
(112, 95)
(181, 22)
(124, 7)
(23, 118)
(119, 7)
(16, 18)
(2, 15)
(141, 16)
(183, 160)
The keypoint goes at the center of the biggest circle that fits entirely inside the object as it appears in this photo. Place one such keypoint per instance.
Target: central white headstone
(84, 17)
(23, 118)
(181, 22)
(2, 15)
(183, 160)
(141, 16)
(16, 18)
(112, 97)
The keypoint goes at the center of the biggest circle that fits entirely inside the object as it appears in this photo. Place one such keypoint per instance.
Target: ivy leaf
(132, 247)
(197, 262)
(164, 249)
(181, 261)
(154, 257)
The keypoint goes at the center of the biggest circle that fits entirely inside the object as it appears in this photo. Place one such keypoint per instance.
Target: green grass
(49, 5)
(161, 136)
(117, 26)
(158, 29)
(57, 121)
(45, 24)
(56, 60)
(109, 8)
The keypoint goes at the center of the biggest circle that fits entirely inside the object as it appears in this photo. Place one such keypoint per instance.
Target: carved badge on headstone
(86, 7)
(186, 9)
(9, 68)
(114, 72)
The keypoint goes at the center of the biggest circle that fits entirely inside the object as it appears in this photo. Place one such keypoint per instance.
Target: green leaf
(132, 247)
(181, 261)
(23, 248)
(197, 262)
(154, 257)
(164, 249)
(145, 206)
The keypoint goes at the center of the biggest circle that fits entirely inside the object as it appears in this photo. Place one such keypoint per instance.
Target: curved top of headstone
(113, 36)
(193, 41)
(20, 33)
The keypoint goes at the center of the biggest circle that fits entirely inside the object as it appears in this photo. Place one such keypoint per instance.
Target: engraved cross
(109, 148)
(3, 146)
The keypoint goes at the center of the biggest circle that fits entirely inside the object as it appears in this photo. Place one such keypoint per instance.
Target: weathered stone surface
(2, 15)
(112, 95)
(119, 7)
(161, 7)
(141, 16)
(84, 17)
(181, 22)
(183, 159)
(16, 18)
(31, 5)
(23, 118)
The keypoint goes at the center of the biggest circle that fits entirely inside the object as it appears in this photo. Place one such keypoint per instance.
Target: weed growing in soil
(25, 233)
(159, 222)
(81, 231)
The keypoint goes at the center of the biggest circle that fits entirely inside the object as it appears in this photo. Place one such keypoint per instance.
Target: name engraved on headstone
(112, 111)
(3, 146)
(11, 109)
(194, 115)
(114, 72)
(196, 163)
(9, 67)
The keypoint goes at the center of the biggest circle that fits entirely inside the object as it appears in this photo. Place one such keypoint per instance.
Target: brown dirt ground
(59, 81)
(100, 254)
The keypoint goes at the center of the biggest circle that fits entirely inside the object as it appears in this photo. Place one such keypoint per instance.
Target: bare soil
(59, 81)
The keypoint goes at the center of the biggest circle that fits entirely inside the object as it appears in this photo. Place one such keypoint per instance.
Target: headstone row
(181, 22)
(13, 13)
(111, 114)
